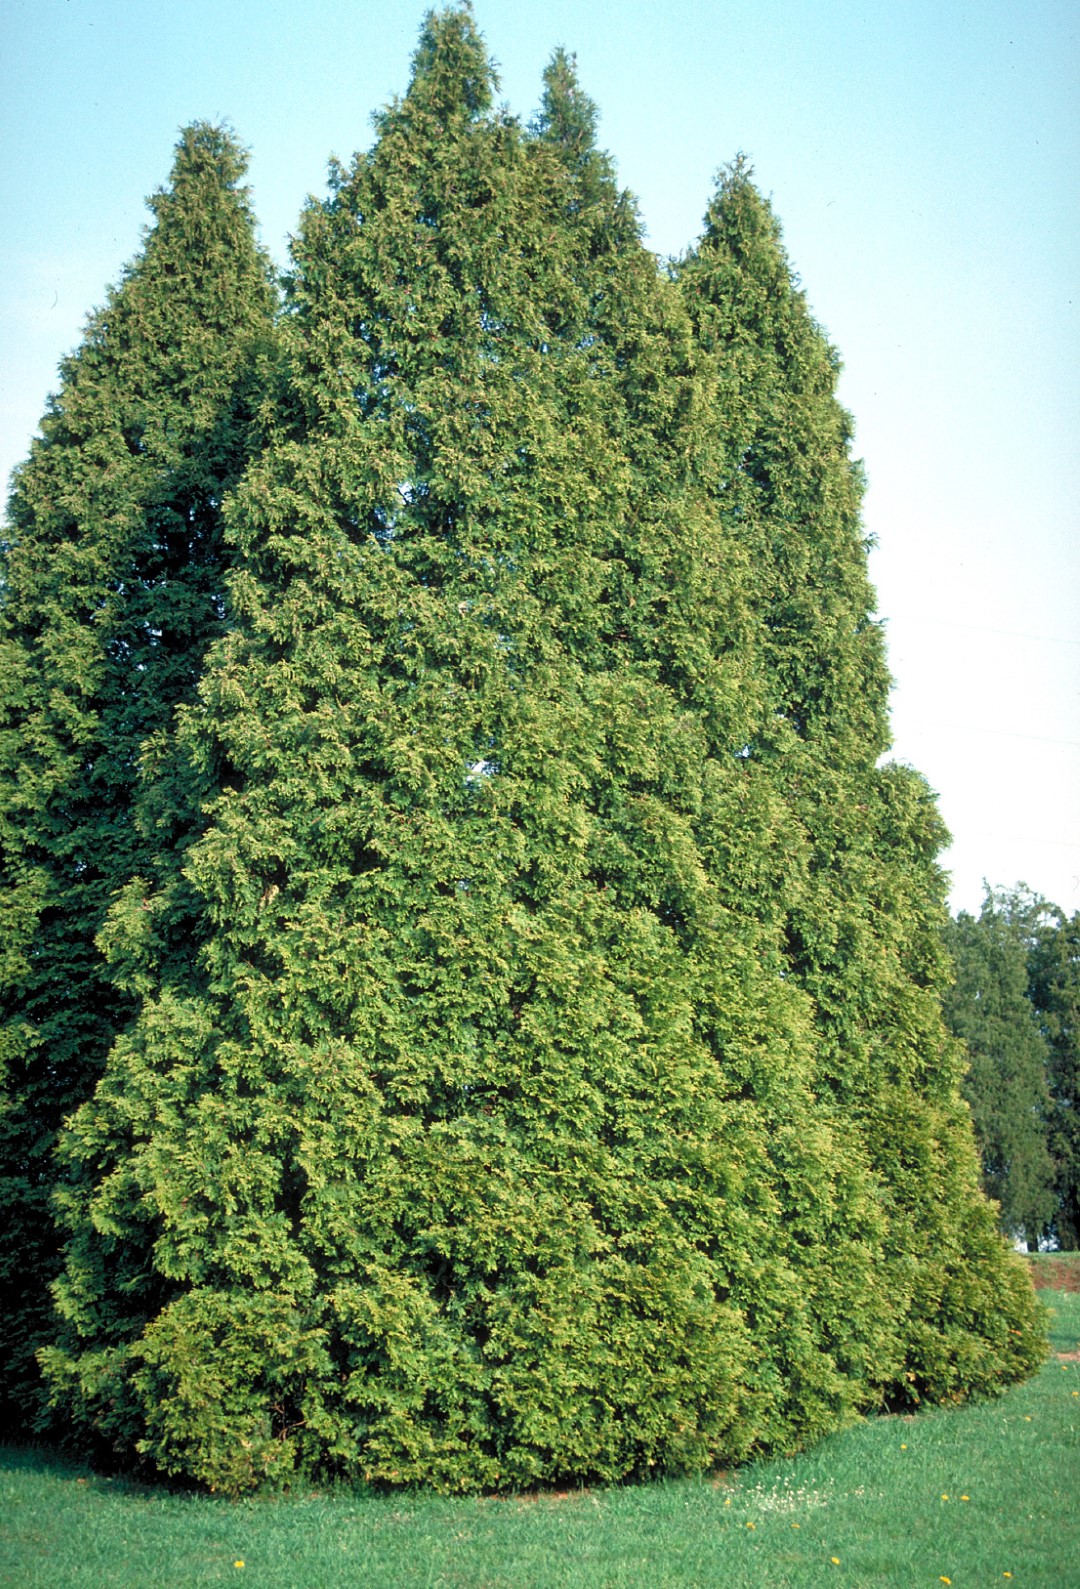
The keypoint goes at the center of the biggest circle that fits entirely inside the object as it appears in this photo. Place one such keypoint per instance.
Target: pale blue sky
(924, 164)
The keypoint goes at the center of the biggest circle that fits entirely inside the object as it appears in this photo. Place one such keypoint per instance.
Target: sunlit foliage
(535, 1067)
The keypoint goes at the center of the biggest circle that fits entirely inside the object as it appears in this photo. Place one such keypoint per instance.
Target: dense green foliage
(1054, 987)
(535, 1067)
(968, 1493)
(989, 1010)
(1015, 1005)
(112, 589)
(854, 891)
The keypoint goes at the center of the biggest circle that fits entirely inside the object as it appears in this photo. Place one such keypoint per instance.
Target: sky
(924, 164)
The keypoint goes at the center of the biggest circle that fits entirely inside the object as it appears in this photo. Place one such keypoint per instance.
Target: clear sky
(924, 162)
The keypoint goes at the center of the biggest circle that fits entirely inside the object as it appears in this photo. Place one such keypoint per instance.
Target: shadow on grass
(38, 1459)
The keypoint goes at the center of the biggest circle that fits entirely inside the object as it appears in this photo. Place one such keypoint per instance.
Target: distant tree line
(471, 984)
(1015, 1004)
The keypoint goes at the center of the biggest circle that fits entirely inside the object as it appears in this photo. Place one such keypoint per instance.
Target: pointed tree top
(566, 122)
(451, 68)
(736, 176)
(737, 198)
(567, 115)
(203, 147)
(207, 159)
(741, 224)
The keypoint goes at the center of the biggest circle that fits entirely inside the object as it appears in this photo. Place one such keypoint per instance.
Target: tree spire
(452, 72)
(567, 115)
(112, 589)
(567, 121)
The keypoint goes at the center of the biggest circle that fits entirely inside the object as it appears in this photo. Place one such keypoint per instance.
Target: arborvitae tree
(988, 1008)
(484, 1140)
(691, 619)
(1054, 988)
(860, 902)
(112, 590)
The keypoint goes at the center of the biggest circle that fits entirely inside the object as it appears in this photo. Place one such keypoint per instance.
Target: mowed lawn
(974, 1496)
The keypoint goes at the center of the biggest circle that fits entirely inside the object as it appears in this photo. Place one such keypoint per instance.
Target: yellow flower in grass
(943, 1579)
(238, 1563)
(835, 1560)
(751, 1525)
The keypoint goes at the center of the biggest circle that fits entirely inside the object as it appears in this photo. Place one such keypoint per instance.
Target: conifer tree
(989, 1010)
(495, 1134)
(112, 589)
(1054, 986)
(689, 614)
(433, 1168)
(861, 901)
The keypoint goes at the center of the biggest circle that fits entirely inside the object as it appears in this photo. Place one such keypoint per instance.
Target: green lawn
(967, 1496)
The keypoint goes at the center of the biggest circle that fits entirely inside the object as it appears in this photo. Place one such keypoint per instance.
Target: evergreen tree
(689, 615)
(497, 1132)
(112, 589)
(860, 902)
(989, 1010)
(1054, 986)
(432, 1163)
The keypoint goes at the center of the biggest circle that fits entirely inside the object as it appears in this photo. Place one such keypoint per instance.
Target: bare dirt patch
(1056, 1272)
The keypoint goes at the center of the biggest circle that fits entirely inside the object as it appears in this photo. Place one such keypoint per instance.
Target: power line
(1016, 838)
(976, 628)
(996, 733)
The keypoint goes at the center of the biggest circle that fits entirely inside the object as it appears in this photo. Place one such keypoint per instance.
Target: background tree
(990, 1011)
(112, 588)
(486, 1140)
(1054, 986)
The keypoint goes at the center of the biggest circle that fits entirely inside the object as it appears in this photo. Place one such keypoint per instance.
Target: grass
(967, 1496)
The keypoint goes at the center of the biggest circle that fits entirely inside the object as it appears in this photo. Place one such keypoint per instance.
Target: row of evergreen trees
(472, 994)
(1015, 1005)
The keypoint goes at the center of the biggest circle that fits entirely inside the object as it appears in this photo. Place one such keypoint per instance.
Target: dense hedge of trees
(1015, 1005)
(505, 1039)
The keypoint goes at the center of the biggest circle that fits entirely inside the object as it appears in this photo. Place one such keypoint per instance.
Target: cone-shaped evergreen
(112, 589)
(497, 1133)
(862, 901)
